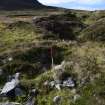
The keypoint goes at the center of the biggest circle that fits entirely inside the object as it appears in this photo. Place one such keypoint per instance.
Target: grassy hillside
(95, 31)
(76, 37)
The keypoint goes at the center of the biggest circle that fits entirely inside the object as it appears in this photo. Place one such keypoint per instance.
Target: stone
(52, 84)
(58, 86)
(69, 83)
(10, 59)
(11, 85)
(46, 83)
(57, 100)
(33, 93)
(17, 75)
(61, 66)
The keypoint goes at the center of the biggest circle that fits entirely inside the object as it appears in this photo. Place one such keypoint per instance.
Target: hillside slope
(19, 4)
(76, 41)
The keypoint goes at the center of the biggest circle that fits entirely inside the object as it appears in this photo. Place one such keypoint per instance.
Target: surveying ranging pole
(52, 59)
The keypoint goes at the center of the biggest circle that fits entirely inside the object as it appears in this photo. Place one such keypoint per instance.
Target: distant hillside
(19, 4)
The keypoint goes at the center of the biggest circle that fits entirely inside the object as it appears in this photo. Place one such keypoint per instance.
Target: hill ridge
(19, 4)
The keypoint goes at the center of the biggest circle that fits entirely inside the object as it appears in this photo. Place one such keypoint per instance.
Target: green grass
(94, 32)
(17, 34)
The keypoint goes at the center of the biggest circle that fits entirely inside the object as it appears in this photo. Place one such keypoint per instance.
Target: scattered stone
(61, 78)
(69, 83)
(57, 100)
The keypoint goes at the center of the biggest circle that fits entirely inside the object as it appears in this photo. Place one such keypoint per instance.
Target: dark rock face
(19, 4)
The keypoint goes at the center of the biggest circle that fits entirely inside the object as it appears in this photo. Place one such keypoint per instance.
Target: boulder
(12, 87)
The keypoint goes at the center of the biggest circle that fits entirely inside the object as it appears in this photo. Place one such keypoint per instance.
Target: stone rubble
(69, 83)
